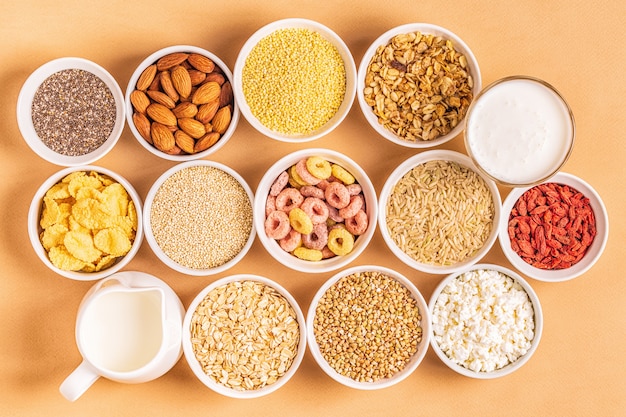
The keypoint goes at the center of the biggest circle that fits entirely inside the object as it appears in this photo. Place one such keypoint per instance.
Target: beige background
(579, 368)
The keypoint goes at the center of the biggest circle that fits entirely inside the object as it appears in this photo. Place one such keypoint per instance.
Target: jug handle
(78, 381)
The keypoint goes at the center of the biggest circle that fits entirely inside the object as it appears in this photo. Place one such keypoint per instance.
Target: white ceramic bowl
(383, 40)
(511, 367)
(34, 228)
(396, 176)
(415, 360)
(328, 35)
(153, 58)
(593, 253)
(152, 241)
(272, 245)
(221, 388)
(25, 114)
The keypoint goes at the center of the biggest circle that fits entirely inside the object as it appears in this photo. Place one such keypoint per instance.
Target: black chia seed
(73, 112)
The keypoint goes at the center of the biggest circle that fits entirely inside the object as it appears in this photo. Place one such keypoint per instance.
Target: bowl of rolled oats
(368, 327)
(415, 84)
(244, 336)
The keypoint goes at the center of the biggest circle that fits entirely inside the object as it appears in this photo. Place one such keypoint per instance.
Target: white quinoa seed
(201, 217)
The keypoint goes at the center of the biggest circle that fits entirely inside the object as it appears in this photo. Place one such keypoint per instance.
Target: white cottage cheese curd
(483, 320)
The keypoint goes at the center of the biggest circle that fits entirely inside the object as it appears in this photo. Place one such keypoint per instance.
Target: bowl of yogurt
(519, 131)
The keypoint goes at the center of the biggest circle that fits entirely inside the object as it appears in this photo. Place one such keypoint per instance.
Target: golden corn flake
(113, 241)
(91, 213)
(81, 246)
(61, 258)
(116, 199)
(53, 236)
(58, 191)
(88, 192)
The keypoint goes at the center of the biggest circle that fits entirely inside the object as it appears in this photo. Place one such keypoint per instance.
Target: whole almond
(174, 151)
(185, 109)
(156, 83)
(161, 114)
(142, 124)
(139, 100)
(184, 141)
(197, 77)
(192, 127)
(162, 138)
(226, 94)
(206, 141)
(217, 77)
(207, 111)
(161, 98)
(167, 86)
(206, 93)
(221, 120)
(146, 77)
(201, 63)
(171, 60)
(181, 80)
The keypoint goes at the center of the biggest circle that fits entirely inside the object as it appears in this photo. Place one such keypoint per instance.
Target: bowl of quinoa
(437, 213)
(486, 321)
(198, 217)
(368, 327)
(70, 111)
(294, 80)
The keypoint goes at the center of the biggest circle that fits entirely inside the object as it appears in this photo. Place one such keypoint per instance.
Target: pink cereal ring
(277, 225)
(291, 241)
(357, 225)
(337, 195)
(270, 205)
(305, 174)
(312, 191)
(317, 239)
(333, 214)
(288, 199)
(327, 253)
(354, 189)
(316, 209)
(322, 184)
(356, 204)
(280, 183)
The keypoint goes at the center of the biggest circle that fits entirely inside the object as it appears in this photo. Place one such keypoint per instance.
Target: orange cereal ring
(356, 204)
(308, 254)
(291, 241)
(357, 225)
(340, 241)
(300, 221)
(312, 191)
(342, 174)
(280, 183)
(316, 209)
(327, 253)
(288, 199)
(270, 205)
(304, 173)
(318, 167)
(317, 239)
(354, 189)
(277, 225)
(337, 195)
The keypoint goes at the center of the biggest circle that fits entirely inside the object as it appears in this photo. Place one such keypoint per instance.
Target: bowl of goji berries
(554, 231)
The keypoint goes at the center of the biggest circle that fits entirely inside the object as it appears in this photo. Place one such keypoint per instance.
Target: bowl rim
(399, 172)
(156, 249)
(132, 82)
(417, 357)
(538, 321)
(24, 110)
(325, 265)
(34, 214)
(329, 35)
(383, 39)
(190, 356)
(596, 249)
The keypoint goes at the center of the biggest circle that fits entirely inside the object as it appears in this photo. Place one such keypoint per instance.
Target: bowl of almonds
(415, 84)
(180, 103)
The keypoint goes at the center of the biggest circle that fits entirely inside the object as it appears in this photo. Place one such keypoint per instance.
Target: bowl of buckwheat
(294, 80)
(244, 336)
(368, 327)
(415, 84)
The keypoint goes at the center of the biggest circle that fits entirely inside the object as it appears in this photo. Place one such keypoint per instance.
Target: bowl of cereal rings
(438, 213)
(85, 223)
(295, 80)
(554, 231)
(315, 210)
(393, 73)
(486, 321)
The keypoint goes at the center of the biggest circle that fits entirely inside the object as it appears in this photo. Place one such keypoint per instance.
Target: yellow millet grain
(294, 81)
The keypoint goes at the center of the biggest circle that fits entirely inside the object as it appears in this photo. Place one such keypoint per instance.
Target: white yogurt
(519, 131)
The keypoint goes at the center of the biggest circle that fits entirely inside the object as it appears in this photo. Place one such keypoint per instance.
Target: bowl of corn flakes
(83, 222)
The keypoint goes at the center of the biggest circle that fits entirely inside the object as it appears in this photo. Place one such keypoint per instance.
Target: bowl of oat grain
(415, 84)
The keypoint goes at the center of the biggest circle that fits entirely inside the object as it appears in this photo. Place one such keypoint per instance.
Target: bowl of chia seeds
(294, 80)
(70, 111)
